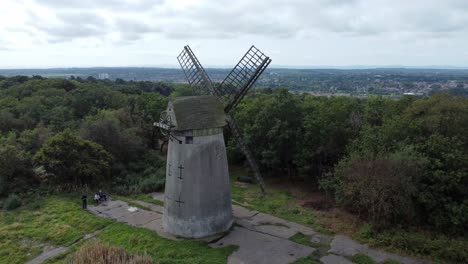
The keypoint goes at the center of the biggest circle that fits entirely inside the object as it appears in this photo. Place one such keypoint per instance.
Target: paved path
(50, 252)
(261, 238)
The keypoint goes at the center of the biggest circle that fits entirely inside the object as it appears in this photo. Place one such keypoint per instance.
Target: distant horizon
(292, 67)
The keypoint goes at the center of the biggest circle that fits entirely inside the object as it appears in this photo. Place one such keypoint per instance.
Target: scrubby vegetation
(12, 202)
(401, 166)
(96, 253)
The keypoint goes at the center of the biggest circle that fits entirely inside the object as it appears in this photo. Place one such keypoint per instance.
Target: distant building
(412, 93)
(103, 76)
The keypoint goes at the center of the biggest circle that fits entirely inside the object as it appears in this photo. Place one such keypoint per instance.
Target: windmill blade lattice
(231, 90)
(194, 71)
(243, 76)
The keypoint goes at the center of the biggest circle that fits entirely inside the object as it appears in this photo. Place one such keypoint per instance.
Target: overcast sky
(82, 33)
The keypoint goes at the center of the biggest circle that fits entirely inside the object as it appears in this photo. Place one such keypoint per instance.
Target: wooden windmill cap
(197, 112)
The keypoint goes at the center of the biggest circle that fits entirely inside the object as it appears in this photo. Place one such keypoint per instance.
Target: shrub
(102, 254)
(12, 202)
(381, 189)
(152, 184)
(441, 248)
(145, 175)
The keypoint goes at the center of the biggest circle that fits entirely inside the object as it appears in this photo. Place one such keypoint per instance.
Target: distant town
(321, 82)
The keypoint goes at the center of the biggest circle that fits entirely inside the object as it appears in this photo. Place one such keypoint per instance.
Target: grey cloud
(72, 25)
(71, 32)
(106, 4)
(273, 18)
(130, 25)
(81, 18)
(285, 19)
(131, 30)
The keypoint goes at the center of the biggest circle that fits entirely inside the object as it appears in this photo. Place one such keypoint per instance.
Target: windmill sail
(231, 91)
(243, 76)
(194, 71)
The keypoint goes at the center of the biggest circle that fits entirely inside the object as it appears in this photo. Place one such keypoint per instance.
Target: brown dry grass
(102, 254)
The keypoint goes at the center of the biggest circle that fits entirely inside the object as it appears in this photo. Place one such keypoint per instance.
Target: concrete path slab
(118, 210)
(261, 238)
(157, 196)
(46, 254)
(153, 207)
(140, 218)
(276, 230)
(50, 252)
(275, 226)
(259, 248)
(241, 212)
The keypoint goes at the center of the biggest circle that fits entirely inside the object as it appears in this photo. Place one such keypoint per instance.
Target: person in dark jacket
(84, 201)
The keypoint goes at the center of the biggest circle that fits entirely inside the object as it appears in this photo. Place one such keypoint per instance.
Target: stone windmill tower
(197, 197)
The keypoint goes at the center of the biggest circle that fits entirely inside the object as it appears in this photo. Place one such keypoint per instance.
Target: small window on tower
(188, 140)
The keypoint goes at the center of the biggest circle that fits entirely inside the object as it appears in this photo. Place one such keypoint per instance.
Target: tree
(15, 169)
(150, 106)
(107, 130)
(73, 161)
(271, 124)
(185, 90)
(329, 124)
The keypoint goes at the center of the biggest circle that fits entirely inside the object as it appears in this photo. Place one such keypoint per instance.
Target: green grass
(59, 220)
(276, 202)
(434, 246)
(362, 259)
(55, 220)
(143, 241)
(139, 240)
(300, 238)
(391, 262)
(308, 260)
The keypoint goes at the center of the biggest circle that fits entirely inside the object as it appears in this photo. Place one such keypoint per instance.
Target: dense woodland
(393, 162)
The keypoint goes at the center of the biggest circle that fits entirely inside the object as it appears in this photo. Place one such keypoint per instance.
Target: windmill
(197, 197)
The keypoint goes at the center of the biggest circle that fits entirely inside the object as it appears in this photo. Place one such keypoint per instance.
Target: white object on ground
(132, 209)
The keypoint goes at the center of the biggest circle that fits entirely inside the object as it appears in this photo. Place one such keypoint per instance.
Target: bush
(441, 248)
(12, 202)
(106, 255)
(381, 189)
(153, 183)
(143, 176)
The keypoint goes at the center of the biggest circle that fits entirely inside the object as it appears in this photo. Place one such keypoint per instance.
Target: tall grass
(102, 254)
